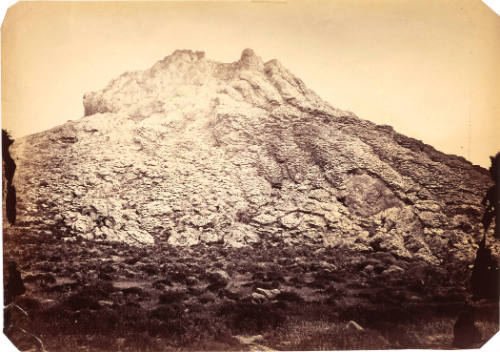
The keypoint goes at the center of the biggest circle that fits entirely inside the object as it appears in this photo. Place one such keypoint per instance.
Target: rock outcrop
(198, 151)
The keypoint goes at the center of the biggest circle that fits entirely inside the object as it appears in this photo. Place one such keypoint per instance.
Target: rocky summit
(194, 151)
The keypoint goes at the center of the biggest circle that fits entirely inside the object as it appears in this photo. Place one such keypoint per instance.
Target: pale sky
(429, 68)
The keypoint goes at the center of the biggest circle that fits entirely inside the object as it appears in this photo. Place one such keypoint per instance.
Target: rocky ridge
(238, 153)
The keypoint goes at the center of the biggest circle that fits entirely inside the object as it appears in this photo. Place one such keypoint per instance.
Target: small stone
(291, 220)
(369, 268)
(270, 294)
(352, 325)
(248, 340)
(392, 270)
(105, 303)
(258, 297)
(264, 219)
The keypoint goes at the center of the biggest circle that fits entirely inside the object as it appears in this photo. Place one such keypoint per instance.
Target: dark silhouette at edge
(492, 198)
(9, 170)
(485, 273)
(465, 332)
(13, 288)
(485, 278)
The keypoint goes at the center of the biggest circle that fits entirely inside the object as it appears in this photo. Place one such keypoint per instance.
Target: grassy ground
(86, 296)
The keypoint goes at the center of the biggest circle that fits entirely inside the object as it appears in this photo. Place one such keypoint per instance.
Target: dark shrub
(258, 275)
(195, 291)
(268, 285)
(160, 284)
(178, 276)
(107, 269)
(289, 296)
(132, 260)
(89, 296)
(28, 304)
(104, 276)
(149, 269)
(55, 258)
(248, 317)
(134, 290)
(274, 274)
(385, 257)
(171, 296)
(88, 321)
(168, 320)
(167, 312)
(42, 279)
(81, 300)
(217, 279)
(207, 297)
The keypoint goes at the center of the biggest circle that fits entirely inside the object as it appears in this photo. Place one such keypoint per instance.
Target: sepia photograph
(274, 175)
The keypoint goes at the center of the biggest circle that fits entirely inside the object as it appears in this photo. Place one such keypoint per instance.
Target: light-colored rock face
(206, 152)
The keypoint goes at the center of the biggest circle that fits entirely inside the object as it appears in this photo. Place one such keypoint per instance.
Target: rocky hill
(196, 151)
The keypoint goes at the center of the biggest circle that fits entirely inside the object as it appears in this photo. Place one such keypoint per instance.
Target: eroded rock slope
(198, 151)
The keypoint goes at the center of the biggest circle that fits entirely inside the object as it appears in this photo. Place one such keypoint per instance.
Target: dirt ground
(98, 296)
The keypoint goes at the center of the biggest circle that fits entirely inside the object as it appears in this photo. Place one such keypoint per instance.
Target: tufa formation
(240, 153)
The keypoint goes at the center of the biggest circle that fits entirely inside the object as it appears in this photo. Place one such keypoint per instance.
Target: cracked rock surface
(198, 151)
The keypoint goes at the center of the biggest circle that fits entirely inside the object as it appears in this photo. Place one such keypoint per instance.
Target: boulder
(432, 219)
(291, 220)
(219, 278)
(270, 294)
(189, 237)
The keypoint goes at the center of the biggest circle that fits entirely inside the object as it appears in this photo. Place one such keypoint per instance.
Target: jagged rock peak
(188, 53)
(141, 94)
(250, 60)
(185, 55)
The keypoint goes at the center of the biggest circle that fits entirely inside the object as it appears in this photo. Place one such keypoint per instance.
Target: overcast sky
(428, 68)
